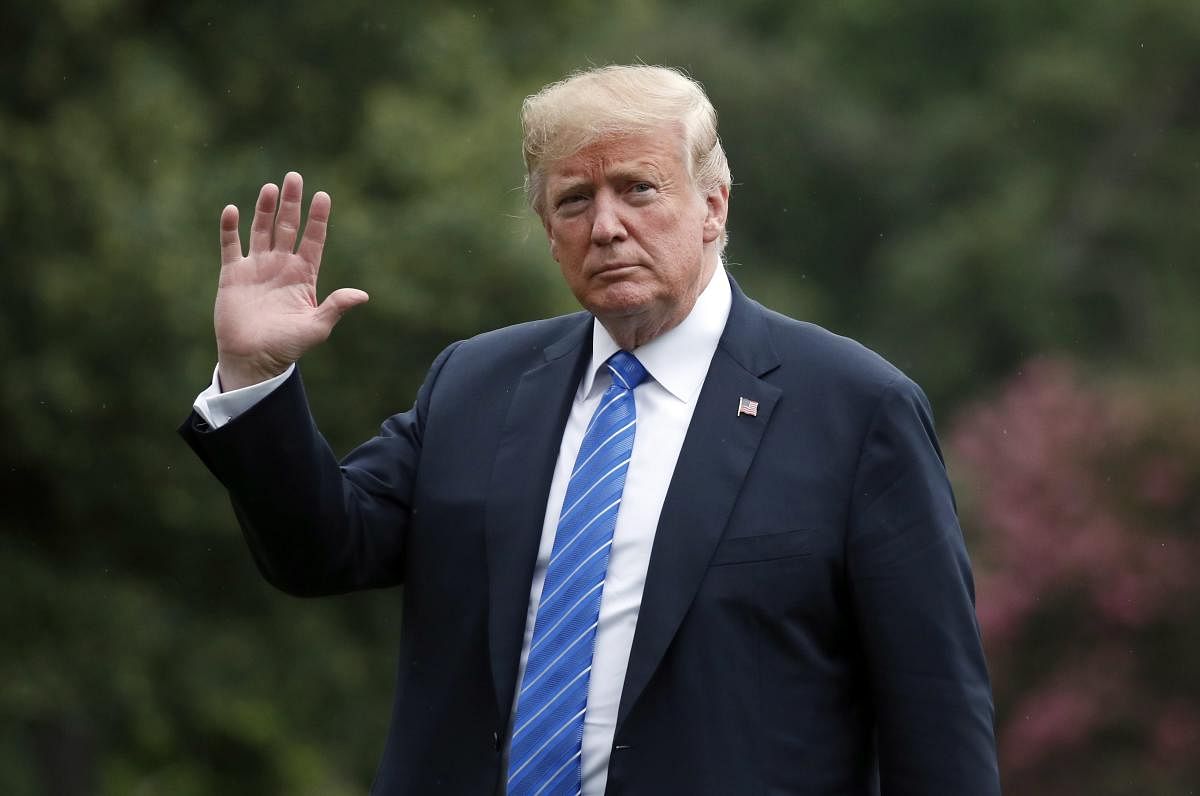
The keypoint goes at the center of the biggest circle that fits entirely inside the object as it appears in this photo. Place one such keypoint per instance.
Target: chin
(620, 299)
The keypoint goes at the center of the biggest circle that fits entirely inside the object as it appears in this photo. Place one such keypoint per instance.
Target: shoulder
(818, 358)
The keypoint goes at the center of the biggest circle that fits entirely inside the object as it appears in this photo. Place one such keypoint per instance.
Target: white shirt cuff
(218, 408)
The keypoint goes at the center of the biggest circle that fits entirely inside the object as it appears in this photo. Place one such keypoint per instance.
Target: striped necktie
(545, 754)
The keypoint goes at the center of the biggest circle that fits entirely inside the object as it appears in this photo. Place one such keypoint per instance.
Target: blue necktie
(544, 757)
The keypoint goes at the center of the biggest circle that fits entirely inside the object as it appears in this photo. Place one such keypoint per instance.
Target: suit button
(496, 740)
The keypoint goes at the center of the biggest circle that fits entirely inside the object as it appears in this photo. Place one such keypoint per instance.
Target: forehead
(658, 152)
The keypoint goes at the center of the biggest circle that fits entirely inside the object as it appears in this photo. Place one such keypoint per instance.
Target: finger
(231, 244)
(287, 224)
(313, 242)
(338, 302)
(264, 218)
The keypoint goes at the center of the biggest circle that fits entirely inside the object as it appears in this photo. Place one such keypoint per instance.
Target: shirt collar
(679, 358)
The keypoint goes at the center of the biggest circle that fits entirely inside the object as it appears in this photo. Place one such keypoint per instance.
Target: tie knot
(626, 370)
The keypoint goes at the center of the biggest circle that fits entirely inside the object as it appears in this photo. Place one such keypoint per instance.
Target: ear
(717, 210)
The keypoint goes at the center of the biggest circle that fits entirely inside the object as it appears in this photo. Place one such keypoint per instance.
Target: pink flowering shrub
(1082, 499)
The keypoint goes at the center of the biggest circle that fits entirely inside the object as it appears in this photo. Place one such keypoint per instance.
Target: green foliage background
(959, 185)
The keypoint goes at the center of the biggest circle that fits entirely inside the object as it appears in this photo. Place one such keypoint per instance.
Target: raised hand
(266, 314)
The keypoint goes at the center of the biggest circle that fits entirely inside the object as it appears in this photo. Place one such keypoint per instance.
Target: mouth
(614, 269)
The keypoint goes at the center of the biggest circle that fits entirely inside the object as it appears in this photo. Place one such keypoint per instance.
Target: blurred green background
(1001, 197)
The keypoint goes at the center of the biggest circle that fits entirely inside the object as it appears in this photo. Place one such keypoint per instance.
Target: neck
(631, 332)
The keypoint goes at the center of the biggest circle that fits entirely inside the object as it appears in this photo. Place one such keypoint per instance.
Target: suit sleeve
(914, 599)
(316, 526)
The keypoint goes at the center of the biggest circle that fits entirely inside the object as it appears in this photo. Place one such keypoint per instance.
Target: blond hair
(591, 104)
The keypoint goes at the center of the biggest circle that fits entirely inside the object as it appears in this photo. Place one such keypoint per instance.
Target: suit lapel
(716, 455)
(520, 483)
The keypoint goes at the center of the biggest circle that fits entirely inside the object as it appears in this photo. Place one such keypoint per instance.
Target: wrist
(236, 375)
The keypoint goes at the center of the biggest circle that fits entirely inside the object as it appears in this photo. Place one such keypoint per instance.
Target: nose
(607, 225)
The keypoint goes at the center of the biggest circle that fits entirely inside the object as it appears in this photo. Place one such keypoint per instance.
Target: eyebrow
(634, 172)
(637, 172)
(570, 187)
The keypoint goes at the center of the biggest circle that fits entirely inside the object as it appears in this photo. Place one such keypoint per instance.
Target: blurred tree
(1086, 502)
(957, 185)
(145, 654)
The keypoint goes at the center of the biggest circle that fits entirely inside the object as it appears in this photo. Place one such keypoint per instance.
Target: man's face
(635, 239)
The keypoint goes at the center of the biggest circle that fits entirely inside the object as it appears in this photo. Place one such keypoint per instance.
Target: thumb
(336, 303)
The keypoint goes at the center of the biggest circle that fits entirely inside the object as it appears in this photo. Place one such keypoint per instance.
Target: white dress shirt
(677, 363)
(218, 408)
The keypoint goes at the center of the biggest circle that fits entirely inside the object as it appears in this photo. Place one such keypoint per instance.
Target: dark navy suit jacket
(807, 625)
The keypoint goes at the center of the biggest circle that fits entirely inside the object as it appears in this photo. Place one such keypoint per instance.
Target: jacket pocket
(762, 547)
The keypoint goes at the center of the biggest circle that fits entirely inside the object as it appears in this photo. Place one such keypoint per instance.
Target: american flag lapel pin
(747, 407)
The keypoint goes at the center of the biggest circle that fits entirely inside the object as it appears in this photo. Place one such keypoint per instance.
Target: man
(676, 543)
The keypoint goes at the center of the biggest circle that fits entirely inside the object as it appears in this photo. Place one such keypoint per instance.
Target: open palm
(266, 313)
